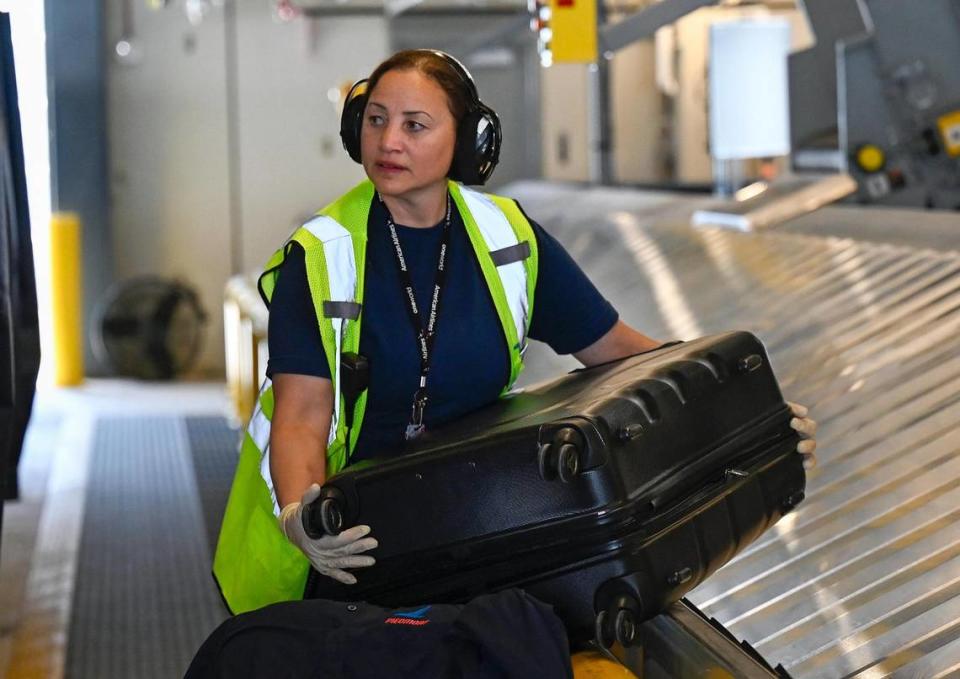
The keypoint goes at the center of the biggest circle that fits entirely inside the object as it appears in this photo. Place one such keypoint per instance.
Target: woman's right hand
(331, 554)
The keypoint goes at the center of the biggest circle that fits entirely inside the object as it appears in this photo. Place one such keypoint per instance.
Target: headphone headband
(461, 70)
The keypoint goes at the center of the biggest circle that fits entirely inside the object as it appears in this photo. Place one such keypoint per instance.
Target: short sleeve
(293, 336)
(569, 313)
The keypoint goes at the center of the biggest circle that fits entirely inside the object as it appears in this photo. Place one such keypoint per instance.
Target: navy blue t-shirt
(470, 364)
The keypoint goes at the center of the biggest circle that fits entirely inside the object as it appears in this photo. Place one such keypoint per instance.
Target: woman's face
(408, 134)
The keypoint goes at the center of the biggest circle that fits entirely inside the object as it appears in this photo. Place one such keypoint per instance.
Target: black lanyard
(425, 333)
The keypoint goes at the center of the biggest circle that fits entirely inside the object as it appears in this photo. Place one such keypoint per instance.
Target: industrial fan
(149, 328)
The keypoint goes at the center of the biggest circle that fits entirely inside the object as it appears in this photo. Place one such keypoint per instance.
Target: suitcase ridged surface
(680, 458)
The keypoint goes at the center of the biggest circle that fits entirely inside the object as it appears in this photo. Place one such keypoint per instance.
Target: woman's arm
(299, 433)
(620, 341)
(298, 465)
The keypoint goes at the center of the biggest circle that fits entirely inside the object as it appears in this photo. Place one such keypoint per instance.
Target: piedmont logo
(415, 618)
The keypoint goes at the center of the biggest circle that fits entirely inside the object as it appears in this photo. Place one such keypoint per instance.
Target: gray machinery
(877, 96)
(894, 122)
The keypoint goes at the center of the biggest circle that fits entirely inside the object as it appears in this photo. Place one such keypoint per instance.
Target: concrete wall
(564, 92)
(639, 143)
(171, 149)
(168, 155)
(636, 119)
(291, 158)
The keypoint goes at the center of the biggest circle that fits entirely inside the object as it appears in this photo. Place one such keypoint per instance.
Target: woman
(443, 276)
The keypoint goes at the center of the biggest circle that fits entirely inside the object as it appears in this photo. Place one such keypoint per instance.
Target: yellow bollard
(66, 296)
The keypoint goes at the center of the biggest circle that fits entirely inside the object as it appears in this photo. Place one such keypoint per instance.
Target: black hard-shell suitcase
(608, 493)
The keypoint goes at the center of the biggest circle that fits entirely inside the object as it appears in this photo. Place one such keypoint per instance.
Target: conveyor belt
(864, 578)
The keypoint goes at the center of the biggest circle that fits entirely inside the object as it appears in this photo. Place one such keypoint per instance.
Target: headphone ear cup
(477, 150)
(351, 119)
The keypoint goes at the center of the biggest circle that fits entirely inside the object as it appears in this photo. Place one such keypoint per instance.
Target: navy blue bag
(508, 635)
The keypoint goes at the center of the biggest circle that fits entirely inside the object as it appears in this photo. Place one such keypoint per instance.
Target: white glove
(331, 553)
(807, 429)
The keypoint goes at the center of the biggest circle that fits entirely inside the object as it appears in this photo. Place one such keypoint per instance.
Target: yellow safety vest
(255, 564)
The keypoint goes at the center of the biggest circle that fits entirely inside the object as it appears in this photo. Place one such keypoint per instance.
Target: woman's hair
(435, 67)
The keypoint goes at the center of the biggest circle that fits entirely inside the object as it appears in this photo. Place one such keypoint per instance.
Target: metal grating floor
(213, 450)
(864, 578)
(144, 599)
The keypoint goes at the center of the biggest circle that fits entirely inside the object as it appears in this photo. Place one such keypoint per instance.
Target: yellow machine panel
(950, 131)
(870, 158)
(574, 31)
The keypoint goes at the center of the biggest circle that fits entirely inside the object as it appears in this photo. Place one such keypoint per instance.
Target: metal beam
(645, 23)
(498, 34)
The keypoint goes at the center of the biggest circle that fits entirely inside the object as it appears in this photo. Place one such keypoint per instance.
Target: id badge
(416, 427)
(414, 431)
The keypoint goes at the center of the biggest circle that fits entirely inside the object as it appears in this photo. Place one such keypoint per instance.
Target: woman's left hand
(807, 428)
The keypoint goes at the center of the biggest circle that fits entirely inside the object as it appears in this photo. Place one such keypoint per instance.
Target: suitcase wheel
(568, 462)
(561, 462)
(618, 623)
(625, 627)
(331, 518)
(324, 516)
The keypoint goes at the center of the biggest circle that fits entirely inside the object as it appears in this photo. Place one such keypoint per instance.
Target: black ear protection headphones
(479, 134)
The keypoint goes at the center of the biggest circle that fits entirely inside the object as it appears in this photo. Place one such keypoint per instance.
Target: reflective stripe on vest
(341, 286)
(254, 563)
(501, 224)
